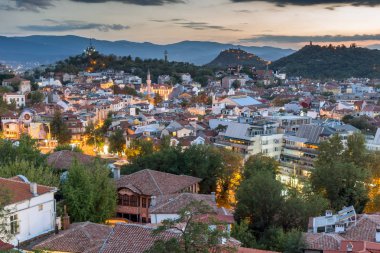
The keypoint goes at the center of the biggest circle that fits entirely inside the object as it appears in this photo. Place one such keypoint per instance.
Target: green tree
(59, 129)
(36, 97)
(157, 99)
(339, 176)
(169, 246)
(196, 236)
(257, 163)
(236, 84)
(117, 142)
(242, 233)
(82, 194)
(94, 136)
(68, 147)
(39, 174)
(5, 234)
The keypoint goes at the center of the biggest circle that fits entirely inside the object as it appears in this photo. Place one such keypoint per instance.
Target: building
(259, 137)
(18, 99)
(32, 210)
(136, 191)
(22, 85)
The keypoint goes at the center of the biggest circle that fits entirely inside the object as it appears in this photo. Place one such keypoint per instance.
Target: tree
(157, 99)
(117, 142)
(89, 193)
(68, 147)
(26, 149)
(196, 236)
(257, 163)
(169, 246)
(339, 176)
(59, 128)
(94, 136)
(39, 174)
(259, 199)
(236, 84)
(36, 97)
(5, 234)
(242, 233)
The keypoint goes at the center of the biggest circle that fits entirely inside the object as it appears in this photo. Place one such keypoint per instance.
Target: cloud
(72, 25)
(27, 5)
(136, 2)
(38, 5)
(195, 25)
(319, 38)
(283, 3)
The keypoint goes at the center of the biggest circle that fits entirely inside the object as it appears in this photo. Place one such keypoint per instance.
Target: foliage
(94, 135)
(362, 123)
(39, 174)
(26, 149)
(236, 84)
(59, 129)
(36, 97)
(68, 147)
(242, 233)
(339, 175)
(170, 246)
(4, 225)
(236, 57)
(373, 204)
(82, 196)
(259, 162)
(319, 62)
(157, 99)
(196, 236)
(117, 142)
(97, 62)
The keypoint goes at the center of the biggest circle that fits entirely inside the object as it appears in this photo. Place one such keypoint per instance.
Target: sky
(281, 23)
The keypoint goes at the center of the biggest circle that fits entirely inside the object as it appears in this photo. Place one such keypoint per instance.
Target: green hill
(340, 62)
(232, 57)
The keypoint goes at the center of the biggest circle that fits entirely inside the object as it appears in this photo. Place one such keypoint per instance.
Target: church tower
(148, 83)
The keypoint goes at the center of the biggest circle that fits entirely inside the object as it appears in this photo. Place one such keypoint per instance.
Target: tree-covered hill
(136, 66)
(237, 57)
(331, 62)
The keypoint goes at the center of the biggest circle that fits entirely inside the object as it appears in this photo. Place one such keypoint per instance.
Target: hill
(48, 49)
(237, 57)
(340, 62)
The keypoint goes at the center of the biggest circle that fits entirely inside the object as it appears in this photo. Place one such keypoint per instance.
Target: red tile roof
(63, 159)
(133, 238)
(5, 246)
(83, 237)
(154, 183)
(20, 190)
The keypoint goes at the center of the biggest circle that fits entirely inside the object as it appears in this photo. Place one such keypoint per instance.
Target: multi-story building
(18, 99)
(250, 139)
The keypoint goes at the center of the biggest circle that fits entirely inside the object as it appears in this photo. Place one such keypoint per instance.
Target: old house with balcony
(137, 190)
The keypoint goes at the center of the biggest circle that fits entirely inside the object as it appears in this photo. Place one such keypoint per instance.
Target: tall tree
(5, 234)
(117, 142)
(59, 129)
(196, 236)
(34, 173)
(89, 193)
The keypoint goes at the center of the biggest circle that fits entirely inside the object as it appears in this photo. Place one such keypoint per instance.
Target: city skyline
(287, 24)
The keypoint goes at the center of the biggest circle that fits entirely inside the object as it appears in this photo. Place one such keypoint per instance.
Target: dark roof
(20, 190)
(63, 159)
(154, 183)
(133, 238)
(5, 246)
(80, 237)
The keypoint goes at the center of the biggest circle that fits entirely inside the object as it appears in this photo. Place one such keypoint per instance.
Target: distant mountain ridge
(49, 49)
(339, 62)
(237, 57)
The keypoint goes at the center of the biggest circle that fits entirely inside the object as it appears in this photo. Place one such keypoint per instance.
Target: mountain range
(49, 49)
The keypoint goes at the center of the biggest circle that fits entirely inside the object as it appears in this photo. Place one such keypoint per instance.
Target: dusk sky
(289, 23)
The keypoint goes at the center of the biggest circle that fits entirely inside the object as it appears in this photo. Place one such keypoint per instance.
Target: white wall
(158, 218)
(32, 221)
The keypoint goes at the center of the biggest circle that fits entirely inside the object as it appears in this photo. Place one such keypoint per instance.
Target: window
(40, 207)
(143, 202)
(14, 224)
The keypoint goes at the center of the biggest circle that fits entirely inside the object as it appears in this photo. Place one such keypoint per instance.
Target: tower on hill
(90, 49)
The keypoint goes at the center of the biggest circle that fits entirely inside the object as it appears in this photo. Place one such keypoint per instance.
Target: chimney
(116, 173)
(213, 197)
(33, 189)
(153, 201)
(329, 213)
(65, 219)
(350, 247)
(378, 234)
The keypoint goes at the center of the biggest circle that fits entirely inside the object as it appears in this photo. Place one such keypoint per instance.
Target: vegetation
(68, 147)
(117, 142)
(59, 129)
(237, 57)
(321, 62)
(362, 123)
(4, 226)
(195, 236)
(341, 175)
(137, 66)
(39, 174)
(82, 194)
